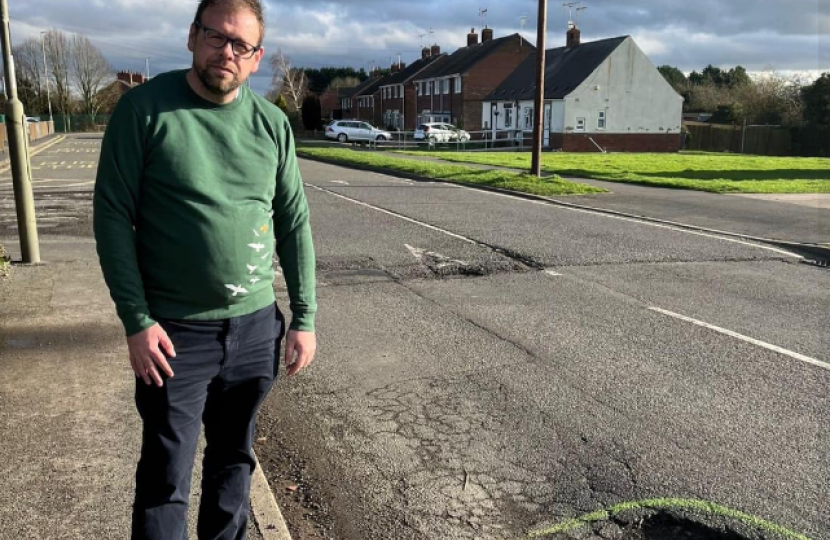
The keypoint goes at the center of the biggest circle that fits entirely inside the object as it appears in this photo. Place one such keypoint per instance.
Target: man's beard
(216, 85)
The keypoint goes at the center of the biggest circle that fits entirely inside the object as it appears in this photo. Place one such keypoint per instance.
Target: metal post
(18, 154)
(46, 76)
(538, 104)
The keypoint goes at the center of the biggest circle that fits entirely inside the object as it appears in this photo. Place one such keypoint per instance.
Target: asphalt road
(490, 366)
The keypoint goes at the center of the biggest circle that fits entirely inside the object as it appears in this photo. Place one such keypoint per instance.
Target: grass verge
(461, 174)
(690, 505)
(717, 173)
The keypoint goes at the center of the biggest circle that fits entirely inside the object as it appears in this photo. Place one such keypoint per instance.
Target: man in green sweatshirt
(197, 188)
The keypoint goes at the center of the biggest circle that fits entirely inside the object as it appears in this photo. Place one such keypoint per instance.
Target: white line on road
(399, 216)
(747, 339)
(643, 222)
(339, 182)
(552, 273)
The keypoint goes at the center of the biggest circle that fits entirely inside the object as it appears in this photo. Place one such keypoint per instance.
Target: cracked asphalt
(490, 366)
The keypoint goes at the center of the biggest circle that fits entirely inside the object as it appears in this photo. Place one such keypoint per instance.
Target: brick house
(604, 93)
(452, 88)
(123, 83)
(397, 93)
(368, 101)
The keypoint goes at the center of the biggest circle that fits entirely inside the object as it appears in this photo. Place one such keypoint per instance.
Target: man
(197, 179)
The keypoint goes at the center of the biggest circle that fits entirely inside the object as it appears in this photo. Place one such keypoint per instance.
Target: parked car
(440, 132)
(355, 130)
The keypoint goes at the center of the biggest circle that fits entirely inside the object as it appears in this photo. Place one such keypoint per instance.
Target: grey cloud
(786, 34)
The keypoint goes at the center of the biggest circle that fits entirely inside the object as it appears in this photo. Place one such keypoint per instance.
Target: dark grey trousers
(222, 372)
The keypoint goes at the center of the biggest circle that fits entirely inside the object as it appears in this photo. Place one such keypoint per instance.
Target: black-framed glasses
(218, 40)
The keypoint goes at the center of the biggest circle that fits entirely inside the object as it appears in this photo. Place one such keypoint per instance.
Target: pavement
(67, 421)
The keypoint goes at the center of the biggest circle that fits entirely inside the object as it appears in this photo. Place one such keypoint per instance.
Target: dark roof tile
(565, 69)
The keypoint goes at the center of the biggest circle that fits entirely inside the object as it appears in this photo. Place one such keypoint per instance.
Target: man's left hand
(300, 347)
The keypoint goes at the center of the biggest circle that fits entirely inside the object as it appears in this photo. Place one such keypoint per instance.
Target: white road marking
(642, 222)
(753, 341)
(552, 273)
(339, 182)
(399, 216)
(419, 253)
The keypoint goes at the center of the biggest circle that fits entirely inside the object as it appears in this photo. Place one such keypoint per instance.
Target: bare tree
(287, 81)
(31, 79)
(90, 71)
(58, 56)
(343, 82)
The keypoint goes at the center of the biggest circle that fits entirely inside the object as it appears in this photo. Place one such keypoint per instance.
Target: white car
(355, 130)
(440, 132)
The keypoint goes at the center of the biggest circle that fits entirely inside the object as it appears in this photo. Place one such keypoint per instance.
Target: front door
(546, 120)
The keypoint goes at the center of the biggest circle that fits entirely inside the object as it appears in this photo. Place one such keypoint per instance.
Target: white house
(602, 94)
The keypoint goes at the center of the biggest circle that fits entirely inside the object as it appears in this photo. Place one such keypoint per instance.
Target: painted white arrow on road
(420, 254)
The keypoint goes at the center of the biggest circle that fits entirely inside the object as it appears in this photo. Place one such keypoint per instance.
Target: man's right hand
(147, 354)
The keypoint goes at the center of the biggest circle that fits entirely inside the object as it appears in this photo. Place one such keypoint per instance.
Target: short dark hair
(235, 5)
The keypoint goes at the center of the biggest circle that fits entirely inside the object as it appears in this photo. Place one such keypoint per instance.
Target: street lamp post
(18, 151)
(46, 76)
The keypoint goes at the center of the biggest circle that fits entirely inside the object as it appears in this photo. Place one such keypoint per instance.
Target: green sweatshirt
(189, 199)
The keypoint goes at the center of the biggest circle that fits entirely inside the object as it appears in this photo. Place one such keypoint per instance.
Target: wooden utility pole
(539, 103)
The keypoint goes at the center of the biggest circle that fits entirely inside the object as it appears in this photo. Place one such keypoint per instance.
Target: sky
(791, 37)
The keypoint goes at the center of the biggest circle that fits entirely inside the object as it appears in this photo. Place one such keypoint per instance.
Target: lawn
(462, 174)
(719, 173)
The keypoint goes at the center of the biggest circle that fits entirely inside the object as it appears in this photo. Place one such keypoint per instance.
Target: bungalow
(602, 94)
(452, 88)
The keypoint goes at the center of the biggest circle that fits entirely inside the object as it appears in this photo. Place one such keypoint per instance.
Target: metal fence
(510, 140)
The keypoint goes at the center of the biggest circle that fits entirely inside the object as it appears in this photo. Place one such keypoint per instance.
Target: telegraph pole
(539, 102)
(18, 152)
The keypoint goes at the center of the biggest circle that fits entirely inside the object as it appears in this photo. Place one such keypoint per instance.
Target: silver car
(440, 132)
(355, 130)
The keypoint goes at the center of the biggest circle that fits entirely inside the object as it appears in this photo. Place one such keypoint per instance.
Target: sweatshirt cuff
(135, 321)
(303, 322)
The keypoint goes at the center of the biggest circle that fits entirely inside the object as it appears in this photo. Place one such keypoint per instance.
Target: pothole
(661, 527)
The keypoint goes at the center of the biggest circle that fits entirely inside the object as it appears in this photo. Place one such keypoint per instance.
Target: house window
(429, 88)
(528, 117)
(418, 88)
(508, 115)
(458, 84)
(445, 86)
(580, 124)
(601, 120)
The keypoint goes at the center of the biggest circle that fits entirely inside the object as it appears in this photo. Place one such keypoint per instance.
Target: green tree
(816, 98)
(320, 79)
(281, 103)
(674, 77)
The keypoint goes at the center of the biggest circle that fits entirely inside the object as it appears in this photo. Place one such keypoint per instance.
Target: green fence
(80, 122)
(759, 140)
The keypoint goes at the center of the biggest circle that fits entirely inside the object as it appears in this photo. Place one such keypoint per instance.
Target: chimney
(572, 36)
(123, 76)
(394, 68)
(472, 38)
(401, 66)
(436, 50)
(425, 53)
(486, 34)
